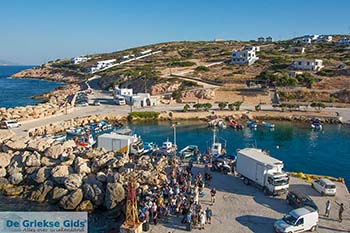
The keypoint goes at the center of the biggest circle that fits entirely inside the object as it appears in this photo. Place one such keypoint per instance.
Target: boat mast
(214, 135)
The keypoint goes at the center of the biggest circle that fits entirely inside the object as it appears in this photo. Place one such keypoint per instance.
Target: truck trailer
(256, 166)
(120, 143)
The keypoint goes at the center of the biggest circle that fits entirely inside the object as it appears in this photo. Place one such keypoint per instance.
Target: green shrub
(222, 105)
(202, 68)
(143, 115)
(186, 108)
(181, 64)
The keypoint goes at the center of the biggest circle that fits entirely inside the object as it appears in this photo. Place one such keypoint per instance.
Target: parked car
(9, 124)
(298, 199)
(298, 220)
(97, 103)
(324, 186)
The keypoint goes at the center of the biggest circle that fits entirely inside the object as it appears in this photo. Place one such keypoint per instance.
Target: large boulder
(54, 151)
(15, 166)
(58, 193)
(71, 200)
(94, 193)
(73, 182)
(5, 159)
(33, 160)
(45, 161)
(16, 178)
(13, 191)
(41, 175)
(41, 192)
(3, 172)
(17, 143)
(60, 173)
(101, 162)
(115, 193)
(69, 144)
(39, 144)
(85, 206)
(4, 183)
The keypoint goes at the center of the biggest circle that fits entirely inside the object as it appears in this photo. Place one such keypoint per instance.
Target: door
(299, 226)
(259, 176)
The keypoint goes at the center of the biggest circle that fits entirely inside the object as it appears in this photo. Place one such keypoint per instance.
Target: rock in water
(40, 193)
(72, 200)
(13, 191)
(58, 193)
(54, 152)
(73, 182)
(115, 193)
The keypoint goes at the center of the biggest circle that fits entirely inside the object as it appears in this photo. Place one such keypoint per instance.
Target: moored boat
(252, 124)
(189, 151)
(149, 147)
(316, 124)
(76, 131)
(268, 125)
(235, 124)
(167, 146)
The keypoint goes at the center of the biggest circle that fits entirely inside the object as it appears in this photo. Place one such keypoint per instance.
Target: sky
(36, 31)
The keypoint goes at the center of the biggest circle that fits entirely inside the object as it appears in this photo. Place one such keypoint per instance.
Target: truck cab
(298, 220)
(277, 183)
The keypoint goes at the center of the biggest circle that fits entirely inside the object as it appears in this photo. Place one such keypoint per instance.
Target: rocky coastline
(42, 170)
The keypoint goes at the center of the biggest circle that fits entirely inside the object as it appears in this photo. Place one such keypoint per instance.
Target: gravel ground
(240, 208)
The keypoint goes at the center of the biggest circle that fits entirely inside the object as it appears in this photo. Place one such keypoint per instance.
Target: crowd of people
(179, 197)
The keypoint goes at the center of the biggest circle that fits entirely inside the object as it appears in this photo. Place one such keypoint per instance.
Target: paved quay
(245, 209)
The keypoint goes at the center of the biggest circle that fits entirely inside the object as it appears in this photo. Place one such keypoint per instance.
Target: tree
(238, 104)
(231, 106)
(197, 106)
(222, 105)
(177, 95)
(258, 107)
(317, 105)
(207, 106)
(186, 108)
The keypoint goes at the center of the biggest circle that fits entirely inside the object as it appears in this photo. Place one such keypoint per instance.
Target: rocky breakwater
(57, 101)
(73, 178)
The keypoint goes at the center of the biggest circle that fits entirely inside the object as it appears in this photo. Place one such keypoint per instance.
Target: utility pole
(175, 148)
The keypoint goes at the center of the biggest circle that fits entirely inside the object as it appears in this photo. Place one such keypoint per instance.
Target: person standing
(208, 213)
(340, 212)
(213, 193)
(202, 220)
(328, 208)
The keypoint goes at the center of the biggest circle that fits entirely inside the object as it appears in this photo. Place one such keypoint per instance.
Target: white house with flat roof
(345, 41)
(324, 38)
(123, 91)
(245, 56)
(261, 39)
(80, 59)
(269, 39)
(308, 64)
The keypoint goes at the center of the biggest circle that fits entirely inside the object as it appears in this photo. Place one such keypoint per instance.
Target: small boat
(252, 124)
(189, 151)
(212, 123)
(59, 137)
(86, 142)
(167, 146)
(76, 131)
(149, 147)
(123, 131)
(236, 125)
(316, 124)
(268, 125)
(221, 124)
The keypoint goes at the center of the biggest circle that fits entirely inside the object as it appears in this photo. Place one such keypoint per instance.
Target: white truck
(120, 143)
(258, 167)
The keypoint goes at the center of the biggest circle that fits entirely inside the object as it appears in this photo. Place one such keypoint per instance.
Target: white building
(246, 56)
(123, 92)
(304, 40)
(78, 60)
(261, 39)
(102, 64)
(144, 100)
(269, 39)
(308, 64)
(254, 48)
(345, 41)
(145, 52)
(324, 38)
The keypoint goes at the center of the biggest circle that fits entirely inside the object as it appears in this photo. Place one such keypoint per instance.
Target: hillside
(210, 61)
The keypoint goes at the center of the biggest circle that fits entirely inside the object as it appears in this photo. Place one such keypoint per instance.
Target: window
(300, 222)
(308, 63)
(299, 63)
(316, 63)
(269, 180)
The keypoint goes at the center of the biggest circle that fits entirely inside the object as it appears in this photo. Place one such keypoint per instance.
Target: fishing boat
(217, 149)
(189, 151)
(76, 131)
(268, 125)
(149, 147)
(220, 123)
(59, 137)
(236, 125)
(86, 142)
(316, 124)
(252, 124)
(167, 146)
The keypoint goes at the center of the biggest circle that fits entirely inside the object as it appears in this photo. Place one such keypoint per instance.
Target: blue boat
(149, 147)
(268, 125)
(316, 124)
(252, 124)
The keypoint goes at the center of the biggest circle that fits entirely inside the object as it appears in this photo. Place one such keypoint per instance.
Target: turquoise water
(19, 92)
(325, 152)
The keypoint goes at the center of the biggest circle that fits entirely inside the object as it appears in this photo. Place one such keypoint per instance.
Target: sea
(20, 92)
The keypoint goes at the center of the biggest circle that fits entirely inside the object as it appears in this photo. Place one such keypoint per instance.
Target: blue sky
(35, 31)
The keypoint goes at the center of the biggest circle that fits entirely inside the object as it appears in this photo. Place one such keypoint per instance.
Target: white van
(119, 100)
(9, 124)
(324, 186)
(298, 220)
